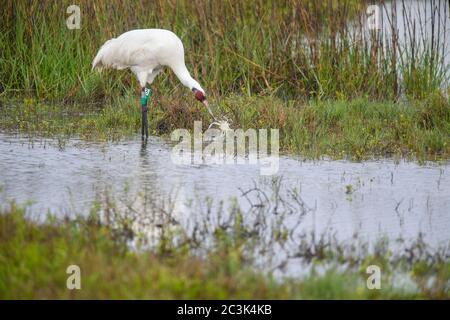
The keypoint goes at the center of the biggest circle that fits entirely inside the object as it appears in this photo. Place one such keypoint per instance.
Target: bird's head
(200, 96)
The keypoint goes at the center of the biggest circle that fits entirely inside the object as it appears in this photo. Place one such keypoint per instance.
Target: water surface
(373, 198)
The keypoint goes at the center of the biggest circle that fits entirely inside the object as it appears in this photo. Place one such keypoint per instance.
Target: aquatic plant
(144, 249)
(357, 129)
(294, 49)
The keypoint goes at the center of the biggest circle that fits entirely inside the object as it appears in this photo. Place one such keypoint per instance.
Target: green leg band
(145, 94)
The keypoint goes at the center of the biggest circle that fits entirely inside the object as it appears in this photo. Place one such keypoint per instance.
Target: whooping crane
(145, 52)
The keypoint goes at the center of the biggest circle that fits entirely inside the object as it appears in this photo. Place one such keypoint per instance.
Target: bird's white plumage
(146, 52)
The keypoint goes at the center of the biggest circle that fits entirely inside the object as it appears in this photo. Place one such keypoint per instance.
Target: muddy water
(373, 199)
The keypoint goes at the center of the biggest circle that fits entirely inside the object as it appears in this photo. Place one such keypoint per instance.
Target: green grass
(34, 257)
(290, 65)
(294, 49)
(287, 65)
(357, 129)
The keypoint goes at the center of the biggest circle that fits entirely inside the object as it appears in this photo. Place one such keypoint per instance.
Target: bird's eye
(199, 95)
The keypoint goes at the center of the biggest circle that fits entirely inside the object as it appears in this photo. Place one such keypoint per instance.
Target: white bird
(145, 52)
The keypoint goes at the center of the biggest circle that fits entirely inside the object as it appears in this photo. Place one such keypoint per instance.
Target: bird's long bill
(206, 104)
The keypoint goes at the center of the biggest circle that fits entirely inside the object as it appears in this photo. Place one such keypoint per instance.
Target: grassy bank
(306, 67)
(357, 129)
(34, 257)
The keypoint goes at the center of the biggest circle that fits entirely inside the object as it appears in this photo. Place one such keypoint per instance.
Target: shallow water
(373, 198)
(420, 22)
(417, 19)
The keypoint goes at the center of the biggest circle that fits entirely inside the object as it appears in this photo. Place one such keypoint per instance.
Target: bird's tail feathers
(101, 59)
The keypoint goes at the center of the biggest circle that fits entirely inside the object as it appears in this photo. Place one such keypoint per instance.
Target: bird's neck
(185, 78)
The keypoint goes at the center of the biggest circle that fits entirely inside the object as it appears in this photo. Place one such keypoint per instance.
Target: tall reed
(295, 49)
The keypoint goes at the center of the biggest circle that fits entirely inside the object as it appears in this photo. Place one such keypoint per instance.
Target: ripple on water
(372, 198)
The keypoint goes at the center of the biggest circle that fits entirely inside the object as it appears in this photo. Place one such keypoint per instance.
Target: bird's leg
(145, 94)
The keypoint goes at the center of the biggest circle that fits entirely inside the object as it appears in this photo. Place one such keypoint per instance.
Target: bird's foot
(144, 132)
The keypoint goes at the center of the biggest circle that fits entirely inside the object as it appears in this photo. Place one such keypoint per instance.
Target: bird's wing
(119, 54)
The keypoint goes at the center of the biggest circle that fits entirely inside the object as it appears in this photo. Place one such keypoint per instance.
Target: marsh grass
(35, 253)
(357, 129)
(309, 68)
(295, 49)
(292, 65)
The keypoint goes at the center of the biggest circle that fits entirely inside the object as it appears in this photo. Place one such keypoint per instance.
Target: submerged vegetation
(308, 68)
(213, 263)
